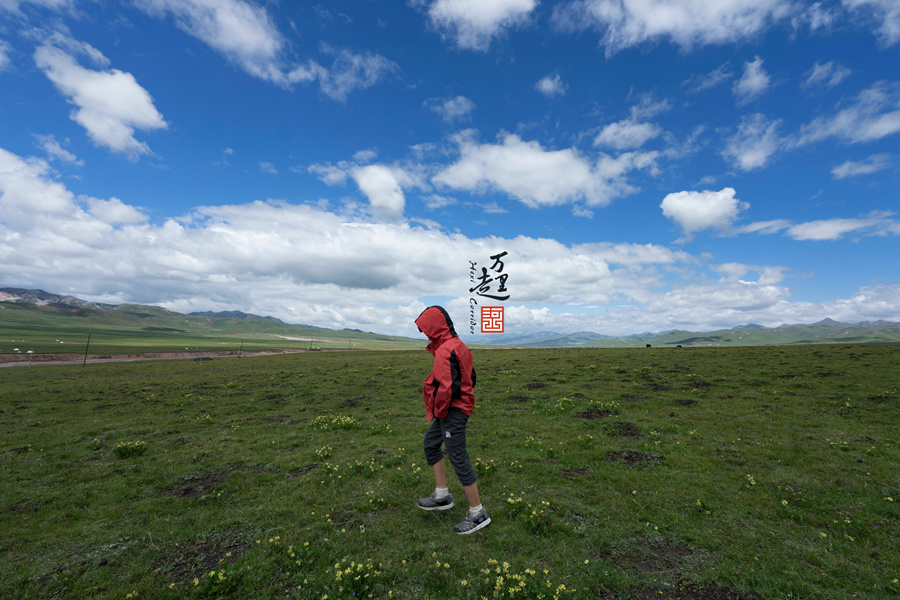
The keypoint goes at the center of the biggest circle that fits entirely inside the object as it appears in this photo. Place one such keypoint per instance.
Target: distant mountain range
(154, 318)
(827, 331)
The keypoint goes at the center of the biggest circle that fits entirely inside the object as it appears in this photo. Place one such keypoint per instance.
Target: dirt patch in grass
(303, 470)
(686, 402)
(206, 553)
(881, 399)
(518, 398)
(591, 414)
(633, 458)
(622, 429)
(535, 385)
(194, 486)
(574, 472)
(658, 556)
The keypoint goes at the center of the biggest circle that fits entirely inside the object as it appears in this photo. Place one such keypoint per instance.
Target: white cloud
(114, 211)
(474, 23)
(551, 85)
(753, 83)
(451, 110)
(874, 114)
(872, 164)
(351, 71)
(886, 13)
(754, 143)
(5, 49)
(539, 177)
(246, 35)
(384, 187)
(700, 83)
(828, 74)
(14, 6)
(627, 134)
(687, 23)
(267, 167)
(878, 223)
(834, 229)
(55, 150)
(305, 264)
(697, 211)
(110, 104)
(240, 31)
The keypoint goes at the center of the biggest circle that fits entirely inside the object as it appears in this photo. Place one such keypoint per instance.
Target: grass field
(620, 473)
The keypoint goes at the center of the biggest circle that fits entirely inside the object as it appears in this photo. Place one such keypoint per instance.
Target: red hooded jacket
(452, 378)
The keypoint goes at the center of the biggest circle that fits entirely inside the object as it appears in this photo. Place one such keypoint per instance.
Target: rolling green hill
(52, 324)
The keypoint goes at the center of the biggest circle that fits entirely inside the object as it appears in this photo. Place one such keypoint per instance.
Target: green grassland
(691, 473)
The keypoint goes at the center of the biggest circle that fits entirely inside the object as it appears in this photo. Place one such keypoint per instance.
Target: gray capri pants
(451, 431)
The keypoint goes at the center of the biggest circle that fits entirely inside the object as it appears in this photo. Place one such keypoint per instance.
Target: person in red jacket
(449, 400)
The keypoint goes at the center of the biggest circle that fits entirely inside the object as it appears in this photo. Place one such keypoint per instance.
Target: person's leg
(440, 499)
(472, 495)
(440, 475)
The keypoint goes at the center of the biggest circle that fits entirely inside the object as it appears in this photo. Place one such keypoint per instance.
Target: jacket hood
(436, 324)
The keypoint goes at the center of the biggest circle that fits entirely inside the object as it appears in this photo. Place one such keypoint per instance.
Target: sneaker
(472, 524)
(432, 503)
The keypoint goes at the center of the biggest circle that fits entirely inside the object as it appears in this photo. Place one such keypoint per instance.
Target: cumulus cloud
(872, 115)
(686, 23)
(878, 223)
(627, 134)
(886, 13)
(697, 211)
(551, 85)
(451, 110)
(349, 72)
(753, 83)
(110, 104)
(828, 74)
(754, 143)
(383, 186)
(246, 35)
(114, 211)
(472, 24)
(872, 164)
(15, 5)
(707, 81)
(537, 176)
(305, 264)
(5, 49)
(834, 229)
(55, 150)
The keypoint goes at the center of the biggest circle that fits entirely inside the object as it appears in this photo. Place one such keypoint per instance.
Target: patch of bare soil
(633, 458)
(591, 414)
(622, 429)
(205, 554)
(574, 472)
(194, 486)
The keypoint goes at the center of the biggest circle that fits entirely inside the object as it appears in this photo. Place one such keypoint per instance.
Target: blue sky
(646, 165)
